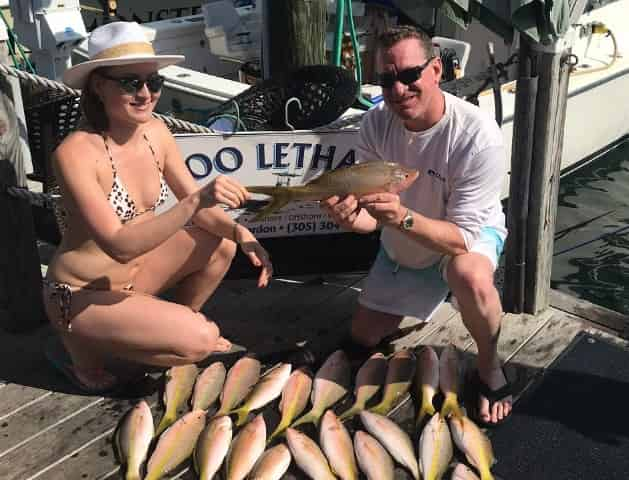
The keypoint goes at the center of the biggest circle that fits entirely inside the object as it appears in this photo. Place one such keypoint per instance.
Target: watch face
(407, 222)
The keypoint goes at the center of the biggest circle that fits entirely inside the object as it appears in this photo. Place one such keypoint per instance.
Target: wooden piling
(295, 32)
(21, 307)
(514, 292)
(550, 114)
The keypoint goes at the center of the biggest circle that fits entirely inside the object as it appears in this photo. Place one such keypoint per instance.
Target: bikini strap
(152, 152)
(111, 158)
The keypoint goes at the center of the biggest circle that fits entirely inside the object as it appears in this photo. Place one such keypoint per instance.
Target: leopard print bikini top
(119, 197)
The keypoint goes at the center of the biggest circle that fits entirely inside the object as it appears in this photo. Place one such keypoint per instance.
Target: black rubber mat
(574, 424)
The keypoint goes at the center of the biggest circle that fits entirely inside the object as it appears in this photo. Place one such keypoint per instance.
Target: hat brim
(77, 75)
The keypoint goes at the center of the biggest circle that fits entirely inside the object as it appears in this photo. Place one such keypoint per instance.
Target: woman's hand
(258, 256)
(223, 190)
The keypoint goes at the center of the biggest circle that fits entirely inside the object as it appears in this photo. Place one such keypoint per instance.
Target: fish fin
(276, 204)
(263, 190)
(426, 408)
(310, 417)
(166, 421)
(451, 406)
(242, 413)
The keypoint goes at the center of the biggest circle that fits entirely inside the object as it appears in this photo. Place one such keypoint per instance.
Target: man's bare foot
(497, 407)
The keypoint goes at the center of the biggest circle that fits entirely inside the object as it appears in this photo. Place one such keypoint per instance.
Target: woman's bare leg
(193, 259)
(136, 327)
(196, 262)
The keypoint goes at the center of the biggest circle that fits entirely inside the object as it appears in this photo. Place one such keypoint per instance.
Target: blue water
(591, 254)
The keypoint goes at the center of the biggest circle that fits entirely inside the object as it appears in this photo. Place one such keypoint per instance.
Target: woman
(116, 253)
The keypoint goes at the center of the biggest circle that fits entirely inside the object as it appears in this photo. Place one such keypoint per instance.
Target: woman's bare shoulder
(156, 128)
(78, 144)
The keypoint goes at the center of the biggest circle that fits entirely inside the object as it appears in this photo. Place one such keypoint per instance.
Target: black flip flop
(59, 358)
(476, 387)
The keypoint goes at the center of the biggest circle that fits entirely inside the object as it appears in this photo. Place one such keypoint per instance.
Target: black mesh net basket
(306, 98)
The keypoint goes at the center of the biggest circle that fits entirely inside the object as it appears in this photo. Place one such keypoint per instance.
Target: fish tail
(279, 198)
(132, 475)
(167, 420)
(154, 475)
(310, 417)
(381, 408)
(451, 406)
(485, 474)
(426, 408)
(221, 412)
(283, 425)
(242, 413)
(350, 412)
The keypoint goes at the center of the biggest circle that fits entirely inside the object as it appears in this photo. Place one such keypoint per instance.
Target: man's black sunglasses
(406, 76)
(132, 84)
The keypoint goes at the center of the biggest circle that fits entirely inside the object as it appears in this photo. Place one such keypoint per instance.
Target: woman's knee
(227, 250)
(222, 256)
(201, 342)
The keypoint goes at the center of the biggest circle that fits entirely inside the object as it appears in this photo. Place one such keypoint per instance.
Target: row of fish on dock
(251, 453)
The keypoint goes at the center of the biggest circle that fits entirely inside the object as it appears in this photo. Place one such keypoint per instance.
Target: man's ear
(437, 68)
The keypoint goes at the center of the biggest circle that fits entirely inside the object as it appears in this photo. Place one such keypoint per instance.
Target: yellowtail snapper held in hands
(361, 179)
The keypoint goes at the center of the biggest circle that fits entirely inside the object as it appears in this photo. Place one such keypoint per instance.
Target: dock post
(550, 115)
(21, 306)
(294, 35)
(514, 292)
(538, 128)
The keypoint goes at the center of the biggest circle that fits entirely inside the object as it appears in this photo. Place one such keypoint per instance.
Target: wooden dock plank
(14, 398)
(30, 460)
(593, 313)
(540, 350)
(75, 439)
(40, 417)
(280, 324)
(515, 330)
(95, 459)
(418, 332)
(452, 331)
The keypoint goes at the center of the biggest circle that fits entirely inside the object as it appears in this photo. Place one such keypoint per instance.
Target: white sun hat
(116, 43)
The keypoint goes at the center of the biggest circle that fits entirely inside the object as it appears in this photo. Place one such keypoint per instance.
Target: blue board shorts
(398, 290)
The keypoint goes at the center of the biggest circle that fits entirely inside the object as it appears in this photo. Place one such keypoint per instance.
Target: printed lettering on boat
(271, 158)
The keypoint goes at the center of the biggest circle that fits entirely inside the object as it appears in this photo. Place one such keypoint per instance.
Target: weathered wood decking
(48, 432)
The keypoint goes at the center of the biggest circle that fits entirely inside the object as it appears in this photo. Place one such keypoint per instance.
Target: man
(447, 226)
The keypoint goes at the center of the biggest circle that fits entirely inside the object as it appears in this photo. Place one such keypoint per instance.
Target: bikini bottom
(60, 293)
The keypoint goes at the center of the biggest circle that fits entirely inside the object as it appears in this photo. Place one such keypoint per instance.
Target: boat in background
(217, 47)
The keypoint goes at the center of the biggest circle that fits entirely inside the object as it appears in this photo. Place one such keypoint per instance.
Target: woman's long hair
(92, 108)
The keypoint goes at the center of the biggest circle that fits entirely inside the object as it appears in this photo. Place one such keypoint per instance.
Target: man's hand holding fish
(382, 207)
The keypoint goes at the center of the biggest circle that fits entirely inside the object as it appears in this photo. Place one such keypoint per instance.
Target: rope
(180, 125)
(45, 200)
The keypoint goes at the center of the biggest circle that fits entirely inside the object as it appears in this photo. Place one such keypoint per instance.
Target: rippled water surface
(591, 254)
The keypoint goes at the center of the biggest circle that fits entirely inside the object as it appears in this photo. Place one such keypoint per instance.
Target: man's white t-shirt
(462, 165)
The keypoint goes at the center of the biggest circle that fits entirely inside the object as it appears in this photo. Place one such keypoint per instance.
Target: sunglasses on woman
(406, 76)
(132, 84)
